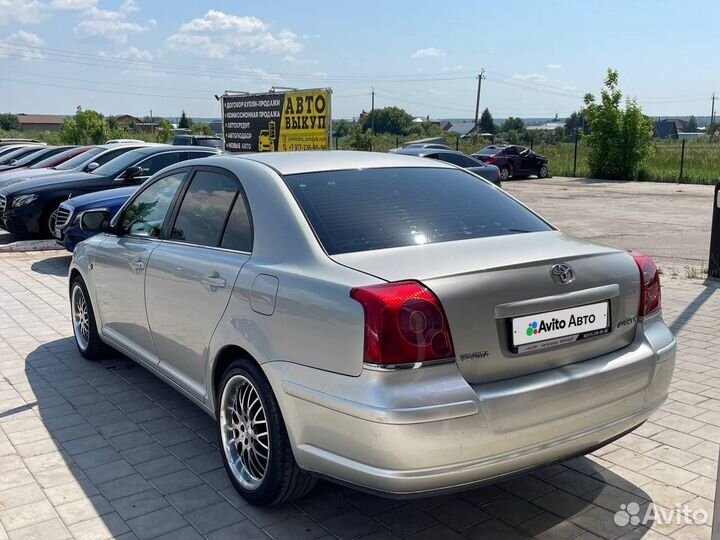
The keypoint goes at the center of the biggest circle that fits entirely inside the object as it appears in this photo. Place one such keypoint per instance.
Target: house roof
(39, 118)
(669, 126)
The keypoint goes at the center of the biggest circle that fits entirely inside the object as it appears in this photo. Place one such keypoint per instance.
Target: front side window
(146, 214)
(156, 163)
(204, 209)
(79, 159)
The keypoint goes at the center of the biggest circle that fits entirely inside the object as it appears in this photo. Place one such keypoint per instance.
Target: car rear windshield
(79, 159)
(212, 143)
(362, 210)
(489, 151)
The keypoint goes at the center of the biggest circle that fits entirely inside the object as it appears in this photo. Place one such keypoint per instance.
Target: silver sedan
(385, 321)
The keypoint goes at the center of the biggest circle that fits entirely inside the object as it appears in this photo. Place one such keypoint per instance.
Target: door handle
(213, 281)
(137, 266)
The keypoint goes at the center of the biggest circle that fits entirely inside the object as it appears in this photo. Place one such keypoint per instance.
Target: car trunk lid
(484, 283)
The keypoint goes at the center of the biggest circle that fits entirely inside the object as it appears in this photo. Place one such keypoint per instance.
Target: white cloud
(133, 53)
(430, 51)
(20, 11)
(554, 66)
(531, 77)
(218, 34)
(21, 44)
(73, 5)
(111, 24)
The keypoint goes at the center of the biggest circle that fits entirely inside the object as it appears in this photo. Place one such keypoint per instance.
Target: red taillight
(490, 160)
(404, 323)
(649, 284)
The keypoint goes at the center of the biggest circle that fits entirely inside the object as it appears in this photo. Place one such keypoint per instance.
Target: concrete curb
(30, 245)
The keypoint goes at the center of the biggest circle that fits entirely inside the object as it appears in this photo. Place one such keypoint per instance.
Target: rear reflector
(649, 284)
(404, 324)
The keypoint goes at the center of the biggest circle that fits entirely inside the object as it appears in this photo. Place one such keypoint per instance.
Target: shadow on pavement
(54, 266)
(115, 450)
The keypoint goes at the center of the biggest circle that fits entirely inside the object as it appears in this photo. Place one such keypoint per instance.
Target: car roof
(330, 160)
(415, 151)
(174, 148)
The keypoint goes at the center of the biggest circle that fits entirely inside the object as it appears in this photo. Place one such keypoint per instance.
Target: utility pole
(372, 111)
(712, 111)
(712, 118)
(481, 76)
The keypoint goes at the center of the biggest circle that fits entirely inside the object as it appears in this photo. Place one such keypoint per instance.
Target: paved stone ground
(106, 450)
(670, 222)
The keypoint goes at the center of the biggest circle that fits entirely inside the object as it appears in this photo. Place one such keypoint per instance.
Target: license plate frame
(557, 336)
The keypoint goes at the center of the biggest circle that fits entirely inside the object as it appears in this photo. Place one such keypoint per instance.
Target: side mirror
(92, 166)
(13, 162)
(95, 221)
(132, 172)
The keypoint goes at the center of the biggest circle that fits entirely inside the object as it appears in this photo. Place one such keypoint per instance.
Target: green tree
(341, 128)
(201, 129)
(358, 139)
(692, 126)
(513, 124)
(185, 122)
(393, 120)
(9, 122)
(164, 131)
(86, 127)
(487, 124)
(575, 122)
(620, 138)
(112, 122)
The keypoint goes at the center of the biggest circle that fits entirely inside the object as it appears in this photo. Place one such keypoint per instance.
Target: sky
(540, 58)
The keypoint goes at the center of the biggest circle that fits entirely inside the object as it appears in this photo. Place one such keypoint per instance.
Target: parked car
(19, 153)
(436, 146)
(31, 158)
(67, 231)
(198, 140)
(44, 165)
(7, 148)
(488, 172)
(388, 322)
(12, 140)
(87, 161)
(513, 161)
(123, 141)
(28, 206)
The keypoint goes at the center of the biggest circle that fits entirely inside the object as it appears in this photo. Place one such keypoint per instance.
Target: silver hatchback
(392, 323)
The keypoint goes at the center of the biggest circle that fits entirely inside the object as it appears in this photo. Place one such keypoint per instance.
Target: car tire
(543, 172)
(85, 331)
(504, 174)
(47, 222)
(261, 466)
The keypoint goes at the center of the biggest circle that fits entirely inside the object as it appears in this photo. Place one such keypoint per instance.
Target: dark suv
(513, 161)
(198, 140)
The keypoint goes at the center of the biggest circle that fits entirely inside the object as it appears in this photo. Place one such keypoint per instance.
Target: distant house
(127, 119)
(460, 127)
(547, 126)
(146, 127)
(669, 128)
(40, 122)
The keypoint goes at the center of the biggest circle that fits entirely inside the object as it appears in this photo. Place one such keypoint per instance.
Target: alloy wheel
(80, 317)
(244, 432)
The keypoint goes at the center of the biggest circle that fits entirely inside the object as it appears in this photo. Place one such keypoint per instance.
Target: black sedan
(513, 161)
(28, 206)
(488, 172)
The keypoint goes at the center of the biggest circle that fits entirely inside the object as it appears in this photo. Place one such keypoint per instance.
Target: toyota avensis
(388, 322)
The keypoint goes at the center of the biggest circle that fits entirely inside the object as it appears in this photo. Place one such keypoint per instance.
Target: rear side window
(152, 165)
(361, 210)
(204, 209)
(238, 233)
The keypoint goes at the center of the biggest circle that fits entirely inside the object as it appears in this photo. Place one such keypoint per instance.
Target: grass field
(702, 159)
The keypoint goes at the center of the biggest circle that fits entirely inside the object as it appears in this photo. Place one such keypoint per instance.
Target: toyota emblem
(562, 274)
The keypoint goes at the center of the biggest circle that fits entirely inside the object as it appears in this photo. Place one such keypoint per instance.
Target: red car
(44, 157)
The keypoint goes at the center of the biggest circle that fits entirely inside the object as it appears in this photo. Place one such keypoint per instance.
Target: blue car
(67, 223)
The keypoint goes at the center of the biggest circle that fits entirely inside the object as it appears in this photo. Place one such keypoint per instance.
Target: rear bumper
(415, 432)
